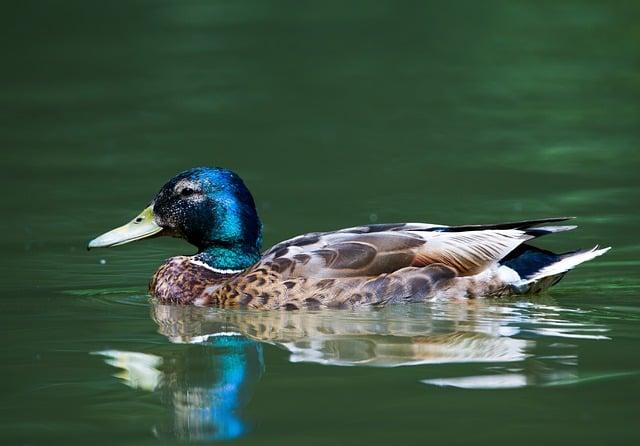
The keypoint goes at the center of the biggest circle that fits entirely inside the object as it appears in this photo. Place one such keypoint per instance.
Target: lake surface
(335, 114)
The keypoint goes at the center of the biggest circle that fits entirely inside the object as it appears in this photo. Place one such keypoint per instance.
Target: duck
(371, 265)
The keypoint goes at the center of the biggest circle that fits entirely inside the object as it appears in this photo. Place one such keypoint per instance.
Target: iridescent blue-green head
(209, 207)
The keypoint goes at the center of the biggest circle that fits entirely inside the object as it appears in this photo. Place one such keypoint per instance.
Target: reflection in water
(500, 381)
(204, 386)
(441, 333)
(206, 383)
(384, 338)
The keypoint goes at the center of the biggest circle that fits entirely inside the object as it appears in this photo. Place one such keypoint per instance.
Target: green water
(336, 114)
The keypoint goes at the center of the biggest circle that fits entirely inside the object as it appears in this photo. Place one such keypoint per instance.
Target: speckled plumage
(369, 265)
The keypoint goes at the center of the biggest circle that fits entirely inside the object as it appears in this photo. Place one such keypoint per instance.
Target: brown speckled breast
(179, 280)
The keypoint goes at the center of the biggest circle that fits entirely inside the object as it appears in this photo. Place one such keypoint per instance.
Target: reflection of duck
(205, 386)
(373, 338)
(440, 333)
(368, 265)
(207, 382)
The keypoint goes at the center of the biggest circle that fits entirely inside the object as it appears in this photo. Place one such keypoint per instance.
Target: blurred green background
(335, 113)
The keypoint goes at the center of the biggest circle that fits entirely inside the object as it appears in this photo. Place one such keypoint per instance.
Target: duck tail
(566, 262)
(540, 269)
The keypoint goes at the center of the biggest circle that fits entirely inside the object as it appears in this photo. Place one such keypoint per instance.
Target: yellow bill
(142, 226)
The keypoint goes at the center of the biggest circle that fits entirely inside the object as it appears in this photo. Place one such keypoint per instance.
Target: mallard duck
(370, 265)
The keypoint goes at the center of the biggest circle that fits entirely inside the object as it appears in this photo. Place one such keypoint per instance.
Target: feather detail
(367, 254)
(469, 252)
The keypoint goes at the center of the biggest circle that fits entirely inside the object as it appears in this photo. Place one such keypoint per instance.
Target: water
(335, 114)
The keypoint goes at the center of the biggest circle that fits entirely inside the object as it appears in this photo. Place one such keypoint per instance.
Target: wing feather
(469, 252)
(365, 253)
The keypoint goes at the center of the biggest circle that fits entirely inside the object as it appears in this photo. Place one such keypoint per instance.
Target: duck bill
(142, 226)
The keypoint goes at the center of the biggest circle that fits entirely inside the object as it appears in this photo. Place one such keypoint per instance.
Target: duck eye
(187, 191)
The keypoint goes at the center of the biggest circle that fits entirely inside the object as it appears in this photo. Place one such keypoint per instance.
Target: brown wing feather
(367, 254)
(469, 252)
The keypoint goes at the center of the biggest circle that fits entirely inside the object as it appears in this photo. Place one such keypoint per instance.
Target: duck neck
(229, 258)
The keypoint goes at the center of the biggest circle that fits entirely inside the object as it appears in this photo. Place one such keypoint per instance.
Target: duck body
(371, 265)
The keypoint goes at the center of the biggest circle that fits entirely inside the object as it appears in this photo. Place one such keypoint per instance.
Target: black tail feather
(522, 225)
(527, 260)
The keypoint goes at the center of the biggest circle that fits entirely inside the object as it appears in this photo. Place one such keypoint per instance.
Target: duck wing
(370, 250)
(349, 253)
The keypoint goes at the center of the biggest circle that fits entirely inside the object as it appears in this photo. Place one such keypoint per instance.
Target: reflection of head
(208, 385)
(205, 386)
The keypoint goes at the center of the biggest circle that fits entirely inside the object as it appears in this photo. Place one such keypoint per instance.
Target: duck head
(209, 207)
